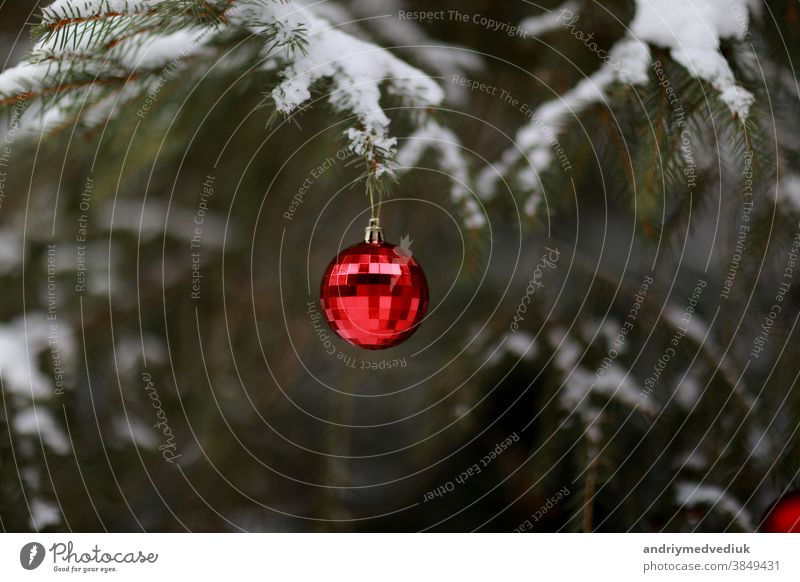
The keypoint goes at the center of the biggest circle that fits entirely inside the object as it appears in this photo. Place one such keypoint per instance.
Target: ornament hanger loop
(374, 233)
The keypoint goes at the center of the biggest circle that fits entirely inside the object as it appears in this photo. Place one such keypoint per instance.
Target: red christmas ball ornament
(784, 515)
(374, 294)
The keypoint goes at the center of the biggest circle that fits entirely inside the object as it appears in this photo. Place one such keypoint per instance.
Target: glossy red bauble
(784, 515)
(374, 295)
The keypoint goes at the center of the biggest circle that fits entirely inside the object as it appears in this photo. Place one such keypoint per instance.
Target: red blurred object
(374, 294)
(784, 515)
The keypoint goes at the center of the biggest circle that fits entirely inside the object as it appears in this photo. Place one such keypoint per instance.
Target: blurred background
(164, 374)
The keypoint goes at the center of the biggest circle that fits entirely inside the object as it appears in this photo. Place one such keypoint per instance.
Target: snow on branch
(446, 144)
(692, 495)
(62, 12)
(356, 70)
(125, 44)
(690, 29)
(579, 384)
(102, 44)
(22, 341)
(62, 19)
(537, 141)
(549, 21)
(440, 58)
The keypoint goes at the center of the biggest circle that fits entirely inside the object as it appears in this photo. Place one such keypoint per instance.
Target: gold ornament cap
(373, 234)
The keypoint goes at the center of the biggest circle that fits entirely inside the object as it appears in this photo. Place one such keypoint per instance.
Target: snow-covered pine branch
(691, 495)
(690, 29)
(356, 70)
(446, 144)
(409, 38)
(100, 54)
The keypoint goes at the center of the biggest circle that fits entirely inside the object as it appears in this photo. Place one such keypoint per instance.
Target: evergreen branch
(95, 43)
(62, 88)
